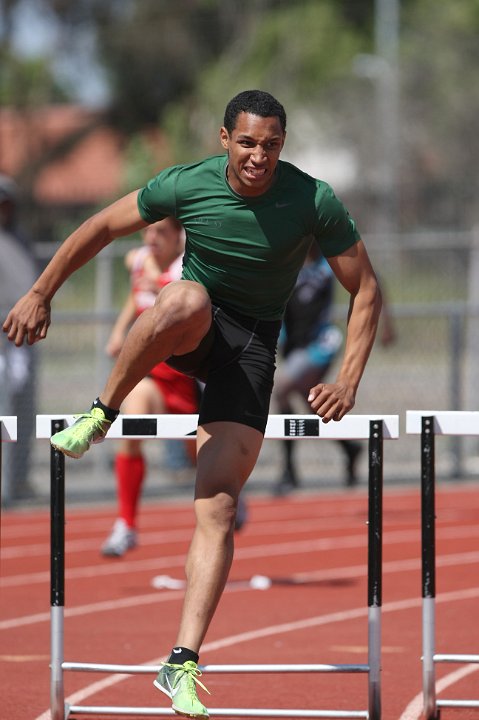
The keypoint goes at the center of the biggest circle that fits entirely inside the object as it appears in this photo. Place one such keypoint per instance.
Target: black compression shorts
(236, 361)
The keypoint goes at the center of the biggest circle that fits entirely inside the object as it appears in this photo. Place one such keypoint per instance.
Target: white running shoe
(121, 539)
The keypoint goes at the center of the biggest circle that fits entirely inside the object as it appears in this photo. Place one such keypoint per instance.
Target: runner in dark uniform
(309, 343)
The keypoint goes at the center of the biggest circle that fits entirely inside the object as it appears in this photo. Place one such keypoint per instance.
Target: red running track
(313, 547)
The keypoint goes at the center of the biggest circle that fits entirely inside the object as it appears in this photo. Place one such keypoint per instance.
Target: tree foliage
(298, 51)
(174, 64)
(440, 108)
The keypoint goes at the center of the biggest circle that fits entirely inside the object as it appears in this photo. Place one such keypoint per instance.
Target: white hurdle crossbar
(8, 433)
(428, 424)
(279, 427)
(8, 428)
(374, 428)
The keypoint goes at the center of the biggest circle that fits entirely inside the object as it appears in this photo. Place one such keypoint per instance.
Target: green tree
(174, 63)
(440, 55)
(299, 51)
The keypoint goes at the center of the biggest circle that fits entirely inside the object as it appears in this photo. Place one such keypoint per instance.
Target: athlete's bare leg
(227, 453)
(176, 324)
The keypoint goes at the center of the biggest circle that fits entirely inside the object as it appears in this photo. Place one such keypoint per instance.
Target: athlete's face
(254, 147)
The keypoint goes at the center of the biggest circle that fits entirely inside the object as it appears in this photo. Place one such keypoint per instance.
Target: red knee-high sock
(130, 472)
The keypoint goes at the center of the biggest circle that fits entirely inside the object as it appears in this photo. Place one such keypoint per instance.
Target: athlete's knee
(183, 310)
(185, 302)
(216, 515)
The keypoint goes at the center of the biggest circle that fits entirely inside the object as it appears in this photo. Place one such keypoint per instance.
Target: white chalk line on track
(414, 709)
(395, 566)
(177, 517)
(168, 536)
(264, 526)
(352, 571)
(403, 502)
(182, 534)
(84, 525)
(351, 512)
(263, 550)
(253, 635)
(183, 514)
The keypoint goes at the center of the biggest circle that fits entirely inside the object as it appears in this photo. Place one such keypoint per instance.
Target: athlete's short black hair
(256, 102)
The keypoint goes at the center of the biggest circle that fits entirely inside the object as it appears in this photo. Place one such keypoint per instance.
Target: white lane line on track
(183, 522)
(104, 606)
(80, 522)
(127, 567)
(414, 709)
(168, 536)
(259, 527)
(97, 531)
(315, 576)
(263, 550)
(253, 635)
(404, 501)
(182, 534)
(183, 515)
(91, 521)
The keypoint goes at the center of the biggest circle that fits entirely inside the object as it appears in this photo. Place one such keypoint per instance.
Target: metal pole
(387, 89)
(1, 462)
(57, 576)
(375, 518)
(457, 354)
(428, 542)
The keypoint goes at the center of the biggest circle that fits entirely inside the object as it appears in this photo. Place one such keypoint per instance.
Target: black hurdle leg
(375, 523)
(1, 464)
(57, 576)
(428, 543)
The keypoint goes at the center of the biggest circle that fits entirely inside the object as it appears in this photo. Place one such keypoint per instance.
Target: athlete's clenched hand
(331, 401)
(28, 320)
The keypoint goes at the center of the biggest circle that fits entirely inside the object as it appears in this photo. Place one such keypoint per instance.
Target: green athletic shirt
(247, 251)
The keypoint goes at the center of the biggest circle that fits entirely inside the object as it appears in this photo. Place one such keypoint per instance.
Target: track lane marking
(255, 529)
(253, 635)
(414, 710)
(166, 537)
(395, 566)
(268, 550)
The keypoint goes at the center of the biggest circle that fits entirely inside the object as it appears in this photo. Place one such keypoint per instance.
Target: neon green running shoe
(179, 683)
(88, 428)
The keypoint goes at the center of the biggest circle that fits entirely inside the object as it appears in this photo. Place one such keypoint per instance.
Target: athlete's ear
(224, 137)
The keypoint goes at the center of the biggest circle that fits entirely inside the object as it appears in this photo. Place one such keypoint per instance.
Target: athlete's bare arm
(30, 318)
(331, 401)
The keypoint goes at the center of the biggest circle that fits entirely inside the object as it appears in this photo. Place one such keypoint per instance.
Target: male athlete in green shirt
(249, 220)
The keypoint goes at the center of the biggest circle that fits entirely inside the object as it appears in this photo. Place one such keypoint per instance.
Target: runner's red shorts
(180, 393)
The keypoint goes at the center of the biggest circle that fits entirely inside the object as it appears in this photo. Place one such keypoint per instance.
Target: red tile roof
(88, 171)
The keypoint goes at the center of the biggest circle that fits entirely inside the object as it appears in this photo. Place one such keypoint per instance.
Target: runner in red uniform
(164, 390)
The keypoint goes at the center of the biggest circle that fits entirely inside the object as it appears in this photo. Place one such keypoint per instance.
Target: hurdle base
(217, 712)
(278, 668)
(458, 703)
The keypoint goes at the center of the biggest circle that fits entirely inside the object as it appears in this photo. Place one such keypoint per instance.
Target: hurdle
(429, 424)
(8, 433)
(375, 429)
